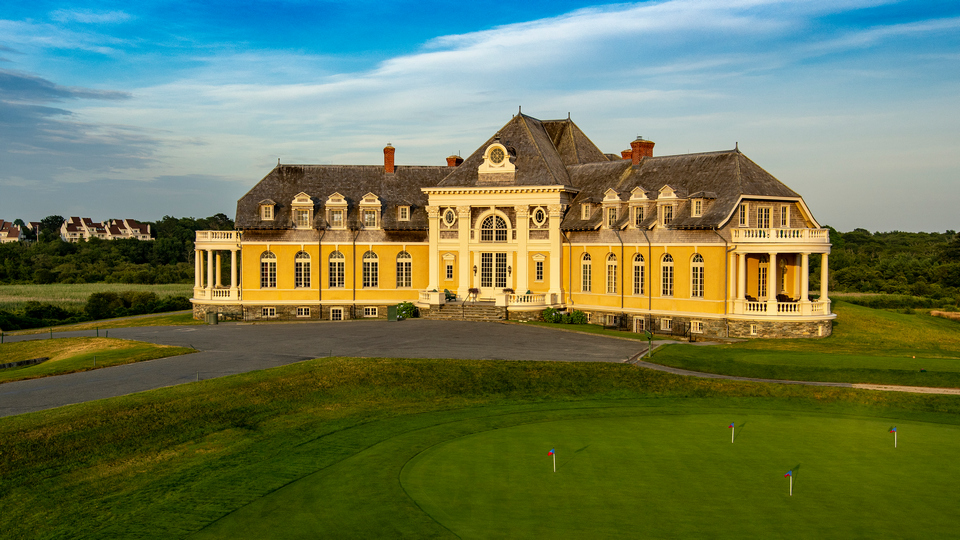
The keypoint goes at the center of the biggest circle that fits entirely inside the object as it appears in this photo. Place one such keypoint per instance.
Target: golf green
(679, 476)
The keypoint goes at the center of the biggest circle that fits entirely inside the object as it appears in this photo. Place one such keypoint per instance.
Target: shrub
(405, 310)
(578, 317)
(551, 315)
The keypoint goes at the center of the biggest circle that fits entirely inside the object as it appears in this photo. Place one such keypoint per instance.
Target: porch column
(824, 280)
(738, 306)
(219, 271)
(233, 273)
(210, 271)
(197, 269)
(463, 234)
(556, 255)
(804, 283)
(772, 284)
(523, 227)
(433, 215)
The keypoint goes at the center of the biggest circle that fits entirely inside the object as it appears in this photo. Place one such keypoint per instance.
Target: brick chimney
(641, 148)
(388, 152)
(453, 161)
(627, 154)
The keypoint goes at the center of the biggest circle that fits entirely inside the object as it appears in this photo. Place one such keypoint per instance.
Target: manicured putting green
(679, 476)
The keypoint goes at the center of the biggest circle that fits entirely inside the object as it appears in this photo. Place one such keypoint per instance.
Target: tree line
(49, 259)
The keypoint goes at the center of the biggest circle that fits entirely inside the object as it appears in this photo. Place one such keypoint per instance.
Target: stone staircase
(470, 311)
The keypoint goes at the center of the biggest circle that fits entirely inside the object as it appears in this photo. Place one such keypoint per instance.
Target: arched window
(301, 269)
(611, 274)
(638, 274)
(404, 270)
(585, 273)
(268, 270)
(371, 270)
(696, 276)
(336, 269)
(493, 229)
(666, 288)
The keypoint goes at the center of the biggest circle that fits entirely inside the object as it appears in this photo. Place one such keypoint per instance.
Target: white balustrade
(528, 300)
(816, 236)
(788, 308)
(755, 307)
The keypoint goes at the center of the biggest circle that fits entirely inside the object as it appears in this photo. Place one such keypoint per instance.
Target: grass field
(69, 355)
(158, 319)
(75, 296)
(344, 447)
(867, 346)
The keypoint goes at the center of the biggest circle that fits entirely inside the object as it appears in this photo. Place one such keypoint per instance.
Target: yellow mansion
(536, 217)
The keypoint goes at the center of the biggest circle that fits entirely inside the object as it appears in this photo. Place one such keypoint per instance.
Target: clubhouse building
(707, 244)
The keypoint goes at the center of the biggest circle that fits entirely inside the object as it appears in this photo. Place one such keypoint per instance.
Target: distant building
(537, 216)
(76, 229)
(9, 232)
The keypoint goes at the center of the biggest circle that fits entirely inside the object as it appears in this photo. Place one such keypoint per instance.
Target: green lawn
(600, 330)
(69, 355)
(74, 296)
(330, 447)
(157, 319)
(867, 346)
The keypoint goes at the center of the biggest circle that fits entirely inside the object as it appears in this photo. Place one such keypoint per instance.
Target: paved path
(881, 387)
(236, 348)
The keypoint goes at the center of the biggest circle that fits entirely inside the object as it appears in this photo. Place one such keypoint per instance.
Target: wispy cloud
(86, 16)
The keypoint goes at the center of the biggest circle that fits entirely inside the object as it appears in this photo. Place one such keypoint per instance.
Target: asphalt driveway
(227, 349)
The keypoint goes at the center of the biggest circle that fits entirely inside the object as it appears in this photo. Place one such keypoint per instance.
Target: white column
(233, 273)
(556, 253)
(219, 271)
(738, 305)
(463, 228)
(210, 270)
(197, 269)
(805, 284)
(433, 215)
(523, 228)
(824, 278)
(772, 284)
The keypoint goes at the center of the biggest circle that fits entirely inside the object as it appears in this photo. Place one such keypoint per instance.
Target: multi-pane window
(403, 213)
(268, 312)
(611, 217)
(585, 273)
(336, 270)
(611, 274)
(667, 214)
(303, 312)
(501, 270)
(763, 217)
(743, 215)
(369, 218)
(666, 325)
(696, 276)
(301, 217)
(301, 272)
(637, 216)
(539, 270)
(336, 314)
(266, 212)
(371, 270)
(336, 218)
(638, 274)
(268, 270)
(697, 208)
(762, 277)
(666, 288)
(493, 229)
(449, 271)
(404, 270)
(585, 211)
(696, 327)
(370, 312)
(784, 217)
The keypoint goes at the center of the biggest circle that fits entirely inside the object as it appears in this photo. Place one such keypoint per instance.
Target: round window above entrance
(539, 217)
(449, 217)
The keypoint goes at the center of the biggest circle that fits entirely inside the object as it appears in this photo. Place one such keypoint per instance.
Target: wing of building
(536, 217)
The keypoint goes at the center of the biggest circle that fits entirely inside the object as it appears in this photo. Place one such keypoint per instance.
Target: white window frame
(538, 275)
(371, 311)
(611, 274)
(449, 273)
(696, 276)
(268, 312)
(404, 270)
(371, 270)
(785, 216)
(696, 327)
(337, 220)
(639, 327)
(639, 269)
(637, 216)
(611, 217)
(666, 275)
(268, 270)
(336, 265)
(585, 211)
(301, 270)
(403, 213)
(696, 209)
(764, 217)
(744, 215)
(666, 214)
(753, 329)
(301, 218)
(369, 217)
(336, 314)
(303, 312)
(266, 212)
(586, 273)
(666, 324)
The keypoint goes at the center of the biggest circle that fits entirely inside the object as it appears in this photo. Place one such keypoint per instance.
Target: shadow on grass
(563, 464)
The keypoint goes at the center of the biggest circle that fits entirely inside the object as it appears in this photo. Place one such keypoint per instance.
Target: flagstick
(791, 485)
(894, 439)
(554, 462)
(732, 431)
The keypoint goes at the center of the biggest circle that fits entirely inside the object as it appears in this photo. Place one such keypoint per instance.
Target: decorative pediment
(336, 199)
(667, 192)
(497, 167)
(638, 194)
(302, 199)
(370, 199)
(611, 195)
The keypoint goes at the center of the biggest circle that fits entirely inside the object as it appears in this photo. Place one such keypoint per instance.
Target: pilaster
(556, 254)
(433, 217)
(523, 234)
(463, 257)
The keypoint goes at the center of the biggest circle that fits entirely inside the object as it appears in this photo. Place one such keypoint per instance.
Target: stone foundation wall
(525, 316)
(226, 312)
(323, 313)
(780, 329)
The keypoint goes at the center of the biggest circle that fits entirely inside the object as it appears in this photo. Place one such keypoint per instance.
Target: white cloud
(86, 16)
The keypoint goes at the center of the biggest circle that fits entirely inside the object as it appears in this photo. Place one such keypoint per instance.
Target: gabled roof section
(540, 151)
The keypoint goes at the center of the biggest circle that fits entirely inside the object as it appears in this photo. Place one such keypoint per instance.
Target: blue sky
(120, 109)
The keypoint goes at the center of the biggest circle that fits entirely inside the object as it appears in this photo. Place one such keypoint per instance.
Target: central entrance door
(493, 273)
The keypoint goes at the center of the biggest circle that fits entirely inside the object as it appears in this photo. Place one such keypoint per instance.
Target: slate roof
(547, 152)
(284, 182)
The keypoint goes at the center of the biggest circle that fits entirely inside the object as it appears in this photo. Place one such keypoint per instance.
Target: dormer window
(369, 218)
(336, 211)
(403, 213)
(696, 209)
(302, 211)
(370, 211)
(611, 217)
(637, 216)
(267, 210)
(336, 219)
(667, 214)
(585, 211)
